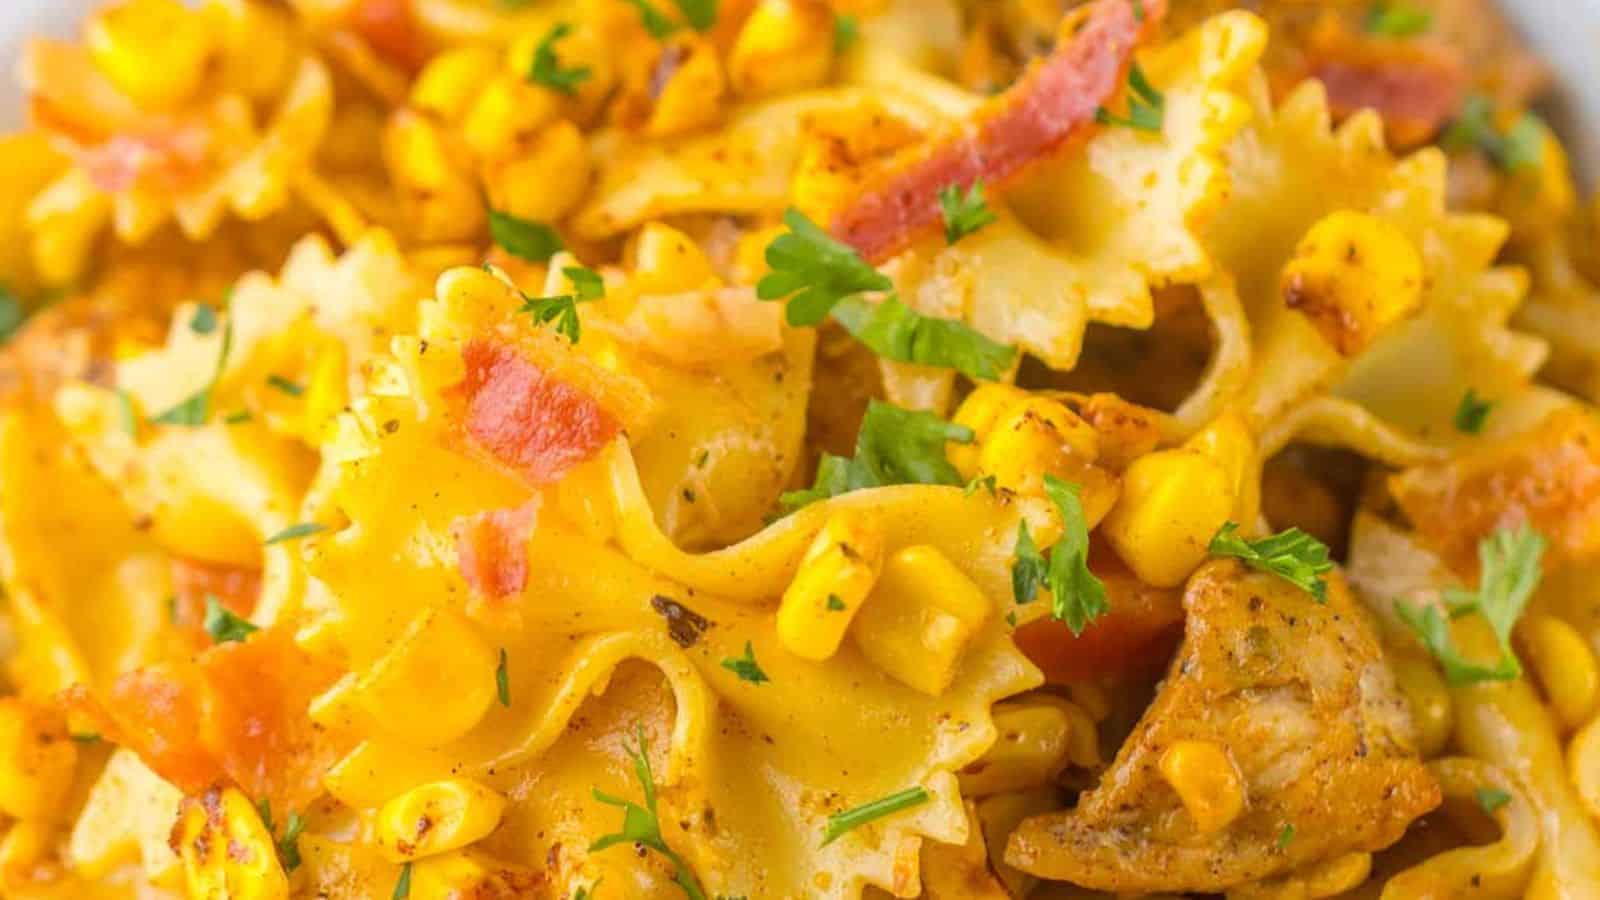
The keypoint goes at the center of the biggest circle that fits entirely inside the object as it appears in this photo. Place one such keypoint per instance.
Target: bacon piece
(171, 158)
(493, 547)
(156, 712)
(1051, 105)
(236, 588)
(537, 425)
(390, 28)
(1416, 85)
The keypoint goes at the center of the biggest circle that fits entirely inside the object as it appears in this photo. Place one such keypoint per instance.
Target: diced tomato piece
(390, 28)
(535, 424)
(1138, 634)
(236, 588)
(493, 547)
(1051, 105)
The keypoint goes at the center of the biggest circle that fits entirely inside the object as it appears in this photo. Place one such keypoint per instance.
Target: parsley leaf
(204, 320)
(296, 531)
(846, 31)
(502, 680)
(1397, 20)
(561, 309)
(986, 483)
(641, 824)
(11, 313)
(816, 269)
(288, 845)
(963, 213)
(894, 446)
(1028, 572)
(285, 385)
(1472, 413)
(1520, 148)
(1078, 596)
(546, 68)
(1292, 555)
(840, 823)
(835, 604)
(1286, 835)
(1146, 106)
(701, 14)
(402, 885)
(1509, 564)
(523, 238)
(653, 20)
(746, 666)
(586, 283)
(223, 625)
(895, 331)
(130, 418)
(1491, 799)
(192, 410)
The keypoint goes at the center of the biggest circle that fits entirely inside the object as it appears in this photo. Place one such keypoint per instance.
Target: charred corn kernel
(440, 196)
(434, 684)
(835, 153)
(507, 112)
(1228, 441)
(664, 260)
(1207, 782)
(784, 45)
(128, 814)
(226, 851)
(24, 849)
(979, 411)
(1173, 502)
(434, 818)
(469, 873)
(1353, 275)
(1034, 438)
(1431, 707)
(1565, 666)
(547, 180)
(327, 390)
(37, 757)
(833, 580)
(1035, 742)
(692, 92)
(450, 82)
(123, 39)
(920, 617)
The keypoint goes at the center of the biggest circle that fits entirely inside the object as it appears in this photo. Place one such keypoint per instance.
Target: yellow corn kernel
(24, 850)
(470, 873)
(507, 112)
(374, 772)
(227, 852)
(434, 684)
(829, 587)
(1037, 738)
(128, 814)
(920, 617)
(1431, 706)
(1228, 441)
(664, 260)
(440, 195)
(979, 411)
(37, 757)
(1206, 780)
(437, 817)
(123, 39)
(1565, 666)
(450, 82)
(548, 179)
(586, 46)
(1034, 438)
(785, 45)
(1353, 275)
(1173, 502)
(692, 95)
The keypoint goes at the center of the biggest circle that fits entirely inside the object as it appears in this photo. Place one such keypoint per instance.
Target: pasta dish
(766, 449)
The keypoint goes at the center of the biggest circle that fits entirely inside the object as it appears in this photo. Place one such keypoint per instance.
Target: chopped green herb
(204, 320)
(986, 483)
(700, 14)
(586, 893)
(1398, 20)
(192, 410)
(1138, 10)
(11, 313)
(895, 331)
(586, 283)
(402, 885)
(223, 625)
(86, 737)
(283, 384)
(561, 309)
(1492, 799)
(172, 608)
(289, 844)
(641, 824)
(835, 604)
(654, 20)
(299, 530)
(840, 823)
(1028, 572)
(1285, 836)
(237, 417)
(1509, 563)
(1146, 105)
(264, 810)
(746, 666)
(1078, 596)
(1011, 617)
(963, 213)
(894, 446)
(846, 31)
(502, 680)
(547, 70)
(130, 418)
(523, 238)
(816, 270)
(1472, 413)
(1520, 148)
(1292, 555)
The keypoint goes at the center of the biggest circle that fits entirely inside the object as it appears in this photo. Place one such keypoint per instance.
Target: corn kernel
(123, 39)
(1034, 438)
(664, 260)
(434, 684)
(37, 758)
(128, 813)
(440, 194)
(226, 851)
(1228, 441)
(1353, 275)
(691, 98)
(920, 617)
(979, 411)
(437, 817)
(1565, 666)
(1035, 743)
(1206, 780)
(507, 112)
(450, 82)
(1173, 502)
(1431, 707)
(469, 873)
(547, 180)
(785, 45)
(829, 587)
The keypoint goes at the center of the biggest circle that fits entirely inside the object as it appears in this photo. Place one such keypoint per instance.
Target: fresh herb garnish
(1138, 10)
(1292, 555)
(1491, 799)
(1388, 18)
(746, 666)
(237, 416)
(130, 418)
(654, 20)
(586, 283)
(963, 213)
(288, 845)
(1472, 413)
(1146, 105)
(895, 331)
(846, 31)
(402, 885)
(204, 320)
(894, 446)
(985, 483)
(1509, 565)
(523, 238)
(1285, 836)
(835, 604)
(1028, 572)
(700, 14)
(640, 824)
(192, 410)
(816, 269)
(298, 530)
(1522, 147)
(840, 823)
(11, 313)
(561, 309)
(1078, 597)
(546, 68)
(278, 382)
(502, 680)
(223, 625)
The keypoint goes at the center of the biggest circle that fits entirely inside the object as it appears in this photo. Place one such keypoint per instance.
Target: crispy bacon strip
(493, 547)
(1051, 105)
(1416, 85)
(390, 28)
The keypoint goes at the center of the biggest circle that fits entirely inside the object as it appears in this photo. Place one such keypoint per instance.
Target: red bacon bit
(168, 159)
(389, 27)
(237, 589)
(535, 424)
(493, 547)
(1048, 107)
(1416, 85)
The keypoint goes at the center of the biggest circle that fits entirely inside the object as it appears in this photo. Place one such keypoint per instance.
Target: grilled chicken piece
(1299, 695)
